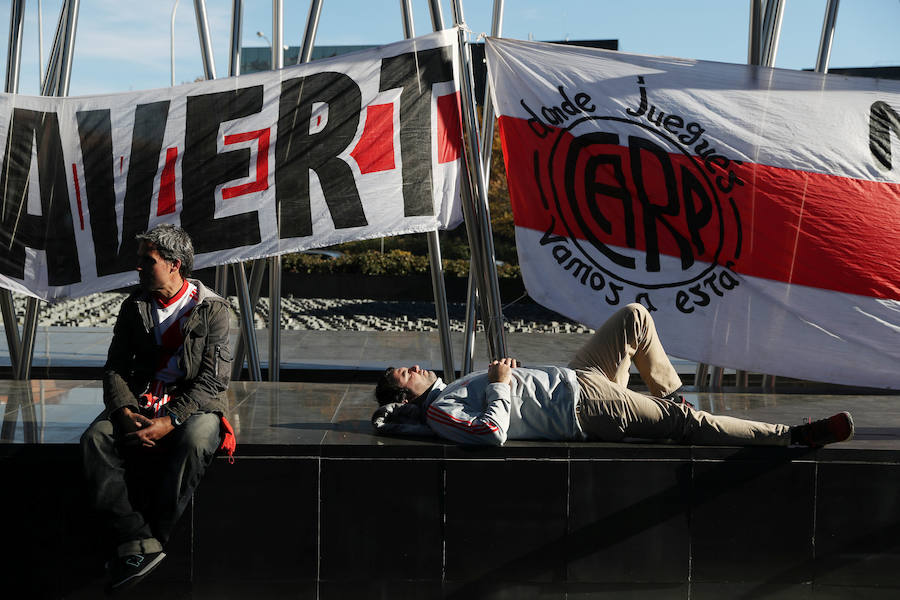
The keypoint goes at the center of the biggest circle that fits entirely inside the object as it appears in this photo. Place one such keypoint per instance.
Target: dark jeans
(141, 492)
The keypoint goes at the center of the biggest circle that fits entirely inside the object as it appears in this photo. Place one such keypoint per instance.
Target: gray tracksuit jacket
(539, 403)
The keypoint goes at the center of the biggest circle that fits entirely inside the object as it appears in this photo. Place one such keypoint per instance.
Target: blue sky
(123, 45)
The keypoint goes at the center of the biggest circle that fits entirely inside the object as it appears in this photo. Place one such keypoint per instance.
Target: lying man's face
(416, 379)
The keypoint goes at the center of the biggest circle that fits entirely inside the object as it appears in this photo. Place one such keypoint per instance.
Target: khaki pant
(608, 411)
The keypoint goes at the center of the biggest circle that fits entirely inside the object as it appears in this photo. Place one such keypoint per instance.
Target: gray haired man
(164, 388)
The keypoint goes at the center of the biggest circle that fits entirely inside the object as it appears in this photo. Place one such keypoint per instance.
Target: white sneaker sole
(135, 577)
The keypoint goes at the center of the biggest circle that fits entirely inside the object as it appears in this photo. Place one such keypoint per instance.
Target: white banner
(354, 147)
(754, 211)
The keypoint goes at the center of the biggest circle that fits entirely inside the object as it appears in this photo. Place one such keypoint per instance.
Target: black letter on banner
(297, 151)
(52, 230)
(599, 170)
(882, 120)
(204, 168)
(415, 72)
(656, 212)
(691, 188)
(95, 132)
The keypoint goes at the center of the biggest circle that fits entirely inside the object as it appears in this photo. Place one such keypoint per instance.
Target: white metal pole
(475, 207)
(58, 86)
(309, 34)
(172, 43)
(772, 31)
(275, 261)
(827, 36)
(13, 66)
(206, 51)
(438, 287)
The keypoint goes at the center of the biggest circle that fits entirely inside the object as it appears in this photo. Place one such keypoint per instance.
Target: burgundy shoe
(837, 428)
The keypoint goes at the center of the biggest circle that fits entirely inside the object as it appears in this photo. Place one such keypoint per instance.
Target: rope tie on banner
(465, 27)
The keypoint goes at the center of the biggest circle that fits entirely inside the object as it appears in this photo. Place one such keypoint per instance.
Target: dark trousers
(141, 492)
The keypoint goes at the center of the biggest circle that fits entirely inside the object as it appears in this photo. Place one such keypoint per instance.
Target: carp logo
(638, 202)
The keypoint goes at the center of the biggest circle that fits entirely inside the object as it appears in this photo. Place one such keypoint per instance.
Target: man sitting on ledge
(164, 385)
(589, 400)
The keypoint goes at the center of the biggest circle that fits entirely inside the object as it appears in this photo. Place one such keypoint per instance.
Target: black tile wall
(386, 589)
(752, 520)
(381, 520)
(629, 521)
(256, 520)
(601, 522)
(858, 525)
(506, 521)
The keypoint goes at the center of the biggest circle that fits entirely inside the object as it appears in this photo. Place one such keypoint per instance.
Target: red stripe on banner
(261, 180)
(449, 128)
(375, 150)
(810, 229)
(166, 203)
(78, 196)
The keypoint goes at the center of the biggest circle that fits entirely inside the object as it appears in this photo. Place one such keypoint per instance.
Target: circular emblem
(637, 205)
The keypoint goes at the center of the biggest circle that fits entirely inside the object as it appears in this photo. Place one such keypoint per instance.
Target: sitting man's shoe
(837, 428)
(127, 571)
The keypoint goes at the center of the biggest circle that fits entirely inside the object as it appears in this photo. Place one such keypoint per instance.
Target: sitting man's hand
(499, 371)
(151, 431)
(128, 420)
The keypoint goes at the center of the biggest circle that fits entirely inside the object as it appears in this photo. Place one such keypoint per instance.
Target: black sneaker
(127, 571)
(837, 428)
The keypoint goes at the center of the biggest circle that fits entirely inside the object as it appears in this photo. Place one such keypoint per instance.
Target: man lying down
(589, 400)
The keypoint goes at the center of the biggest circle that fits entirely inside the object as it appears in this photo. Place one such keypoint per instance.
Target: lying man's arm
(468, 414)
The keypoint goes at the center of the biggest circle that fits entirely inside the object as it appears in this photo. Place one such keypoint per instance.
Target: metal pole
(434, 250)
(68, 48)
(277, 34)
(40, 24)
(206, 51)
(772, 31)
(487, 136)
(51, 75)
(309, 34)
(29, 332)
(475, 208)
(718, 376)
(469, 331)
(14, 50)
(172, 43)
(487, 107)
(406, 11)
(248, 329)
(700, 377)
(755, 35)
(13, 66)
(275, 261)
(237, 23)
(63, 52)
(827, 36)
(209, 71)
(256, 276)
(246, 302)
(437, 15)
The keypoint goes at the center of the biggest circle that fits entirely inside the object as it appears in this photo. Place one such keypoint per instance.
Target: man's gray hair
(173, 243)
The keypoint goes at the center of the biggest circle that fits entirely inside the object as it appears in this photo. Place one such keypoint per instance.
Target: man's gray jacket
(206, 358)
(539, 403)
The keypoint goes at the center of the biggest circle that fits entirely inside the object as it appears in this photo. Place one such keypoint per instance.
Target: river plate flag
(754, 211)
(353, 147)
